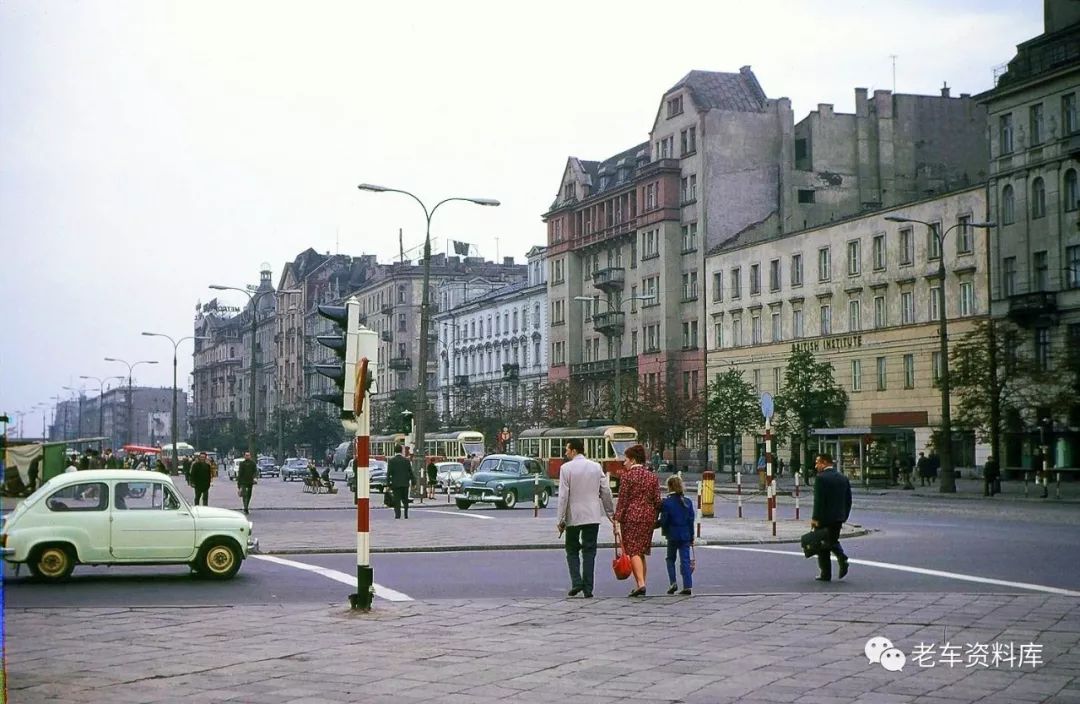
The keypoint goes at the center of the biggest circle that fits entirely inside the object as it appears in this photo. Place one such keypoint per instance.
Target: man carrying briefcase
(832, 506)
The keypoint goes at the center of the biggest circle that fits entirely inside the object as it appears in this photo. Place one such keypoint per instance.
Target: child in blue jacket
(677, 524)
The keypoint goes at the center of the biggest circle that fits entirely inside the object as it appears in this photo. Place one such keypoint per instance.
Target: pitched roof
(712, 90)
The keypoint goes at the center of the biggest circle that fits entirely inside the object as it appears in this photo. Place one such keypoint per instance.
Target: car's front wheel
(219, 559)
(544, 496)
(509, 499)
(52, 563)
(463, 504)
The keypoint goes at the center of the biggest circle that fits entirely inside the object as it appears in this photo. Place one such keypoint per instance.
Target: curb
(526, 546)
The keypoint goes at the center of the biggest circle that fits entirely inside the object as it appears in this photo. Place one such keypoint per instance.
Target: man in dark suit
(832, 506)
(399, 478)
(246, 475)
(200, 479)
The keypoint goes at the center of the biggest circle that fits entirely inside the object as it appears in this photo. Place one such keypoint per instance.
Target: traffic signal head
(346, 350)
(406, 422)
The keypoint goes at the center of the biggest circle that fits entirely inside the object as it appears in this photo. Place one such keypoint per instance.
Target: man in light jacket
(584, 501)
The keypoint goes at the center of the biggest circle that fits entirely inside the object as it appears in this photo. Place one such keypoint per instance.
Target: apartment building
(862, 294)
(217, 364)
(260, 371)
(492, 336)
(1034, 194)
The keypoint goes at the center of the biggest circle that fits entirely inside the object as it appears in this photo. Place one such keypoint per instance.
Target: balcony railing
(603, 367)
(400, 363)
(1033, 307)
(386, 336)
(612, 278)
(461, 380)
(609, 322)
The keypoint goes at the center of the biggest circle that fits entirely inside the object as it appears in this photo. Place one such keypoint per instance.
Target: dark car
(377, 478)
(267, 467)
(504, 480)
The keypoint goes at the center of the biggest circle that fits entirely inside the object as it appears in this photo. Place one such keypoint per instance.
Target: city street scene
(474, 352)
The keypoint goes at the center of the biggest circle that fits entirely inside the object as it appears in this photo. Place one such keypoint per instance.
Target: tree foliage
(662, 415)
(732, 409)
(810, 399)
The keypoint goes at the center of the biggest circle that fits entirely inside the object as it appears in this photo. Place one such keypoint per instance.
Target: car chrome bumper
(486, 497)
(253, 545)
(7, 552)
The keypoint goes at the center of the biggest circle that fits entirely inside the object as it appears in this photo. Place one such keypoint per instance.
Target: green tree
(732, 410)
(810, 399)
(662, 416)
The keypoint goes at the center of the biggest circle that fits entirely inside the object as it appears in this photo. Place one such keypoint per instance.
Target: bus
(457, 445)
(603, 443)
(382, 446)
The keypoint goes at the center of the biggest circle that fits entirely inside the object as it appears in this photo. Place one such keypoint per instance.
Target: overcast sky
(148, 149)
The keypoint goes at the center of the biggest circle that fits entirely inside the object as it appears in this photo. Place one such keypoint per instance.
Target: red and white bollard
(770, 482)
(365, 577)
(738, 491)
(697, 516)
(798, 477)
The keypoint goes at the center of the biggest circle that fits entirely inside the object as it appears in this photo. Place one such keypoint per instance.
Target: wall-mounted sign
(840, 342)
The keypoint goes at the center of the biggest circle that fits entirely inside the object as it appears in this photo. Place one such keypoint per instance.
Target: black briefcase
(815, 541)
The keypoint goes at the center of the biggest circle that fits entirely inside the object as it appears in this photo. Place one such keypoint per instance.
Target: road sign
(767, 405)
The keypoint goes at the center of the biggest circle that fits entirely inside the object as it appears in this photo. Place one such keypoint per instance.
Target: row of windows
(1070, 198)
(855, 322)
(492, 361)
(1040, 271)
(1037, 125)
(475, 328)
(879, 260)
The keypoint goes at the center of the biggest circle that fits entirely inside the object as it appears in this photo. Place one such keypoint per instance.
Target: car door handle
(182, 513)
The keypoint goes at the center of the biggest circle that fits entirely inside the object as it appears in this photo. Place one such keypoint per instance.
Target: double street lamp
(130, 397)
(618, 344)
(948, 472)
(175, 419)
(420, 415)
(101, 399)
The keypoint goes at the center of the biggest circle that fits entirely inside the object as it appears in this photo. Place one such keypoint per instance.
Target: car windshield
(496, 464)
(263, 461)
(296, 463)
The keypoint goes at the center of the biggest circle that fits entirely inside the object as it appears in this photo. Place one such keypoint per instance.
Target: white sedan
(115, 517)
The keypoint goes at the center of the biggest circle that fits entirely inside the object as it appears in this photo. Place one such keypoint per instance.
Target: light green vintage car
(120, 516)
(504, 480)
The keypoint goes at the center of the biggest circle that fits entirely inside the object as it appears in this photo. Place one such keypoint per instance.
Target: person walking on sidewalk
(200, 479)
(432, 479)
(584, 500)
(991, 477)
(923, 465)
(635, 516)
(677, 524)
(399, 477)
(245, 479)
(832, 506)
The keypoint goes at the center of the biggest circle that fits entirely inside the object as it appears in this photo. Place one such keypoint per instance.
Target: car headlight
(498, 487)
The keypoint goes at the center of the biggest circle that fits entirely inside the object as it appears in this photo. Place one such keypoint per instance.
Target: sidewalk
(801, 648)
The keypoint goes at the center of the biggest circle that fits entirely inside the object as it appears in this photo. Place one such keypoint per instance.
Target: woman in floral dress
(635, 515)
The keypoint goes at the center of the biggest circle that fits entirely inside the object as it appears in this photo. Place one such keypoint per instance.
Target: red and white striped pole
(738, 491)
(366, 346)
(769, 474)
(698, 515)
(798, 476)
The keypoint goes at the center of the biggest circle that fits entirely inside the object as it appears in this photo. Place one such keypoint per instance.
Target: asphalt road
(974, 541)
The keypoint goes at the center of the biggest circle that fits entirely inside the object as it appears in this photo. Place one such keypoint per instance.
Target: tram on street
(382, 446)
(603, 443)
(453, 445)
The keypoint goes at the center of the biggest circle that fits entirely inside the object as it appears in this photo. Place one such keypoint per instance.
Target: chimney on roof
(944, 90)
(508, 261)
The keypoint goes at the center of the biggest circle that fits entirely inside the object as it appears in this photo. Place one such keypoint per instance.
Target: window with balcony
(774, 275)
(824, 264)
(854, 258)
(909, 371)
(755, 279)
(736, 283)
(1008, 205)
(907, 247)
(1038, 198)
(1005, 134)
(1041, 270)
(854, 316)
(1008, 276)
(825, 316)
(879, 252)
(796, 270)
(689, 282)
(1035, 125)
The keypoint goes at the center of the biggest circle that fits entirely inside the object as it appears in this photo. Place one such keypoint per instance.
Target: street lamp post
(130, 397)
(101, 400)
(175, 420)
(948, 472)
(420, 415)
(618, 347)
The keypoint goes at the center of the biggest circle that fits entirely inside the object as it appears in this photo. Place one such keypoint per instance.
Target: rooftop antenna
(893, 57)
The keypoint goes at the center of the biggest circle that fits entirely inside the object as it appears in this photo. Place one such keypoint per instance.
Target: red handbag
(621, 564)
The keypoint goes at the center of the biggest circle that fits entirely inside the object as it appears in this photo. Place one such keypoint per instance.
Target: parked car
(295, 468)
(504, 480)
(450, 474)
(114, 517)
(377, 483)
(342, 454)
(267, 467)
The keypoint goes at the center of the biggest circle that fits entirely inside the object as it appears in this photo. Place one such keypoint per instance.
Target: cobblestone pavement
(807, 649)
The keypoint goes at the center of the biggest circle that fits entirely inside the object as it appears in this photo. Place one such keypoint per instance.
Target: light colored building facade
(151, 413)
(492, 336)
(217, 363)
(264, 363)
(861, 294)
(1034, 194)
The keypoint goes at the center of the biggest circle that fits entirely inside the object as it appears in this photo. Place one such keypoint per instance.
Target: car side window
(137, 496)
(533, 466)
(88, 496)
(169, 502)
